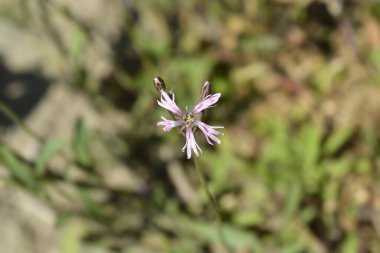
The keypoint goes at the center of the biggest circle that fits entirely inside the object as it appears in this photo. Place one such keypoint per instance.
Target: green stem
(212, 201)
(18, 122)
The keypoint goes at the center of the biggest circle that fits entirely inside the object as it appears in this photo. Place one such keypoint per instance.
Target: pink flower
(188, 120)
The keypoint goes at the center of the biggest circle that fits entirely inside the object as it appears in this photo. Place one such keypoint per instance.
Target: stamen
(189, 119)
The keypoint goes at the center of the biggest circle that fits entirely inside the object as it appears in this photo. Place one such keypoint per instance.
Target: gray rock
(27, 225)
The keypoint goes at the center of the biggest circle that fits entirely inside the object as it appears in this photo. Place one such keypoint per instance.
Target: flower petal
(209, 132)
(207, 102)
(169, 124)
(191, 144)
(169, 104)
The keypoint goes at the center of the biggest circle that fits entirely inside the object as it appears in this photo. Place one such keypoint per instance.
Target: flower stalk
(189, 121)
(214, 206)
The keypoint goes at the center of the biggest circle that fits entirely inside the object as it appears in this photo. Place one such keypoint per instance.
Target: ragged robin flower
(187, 120)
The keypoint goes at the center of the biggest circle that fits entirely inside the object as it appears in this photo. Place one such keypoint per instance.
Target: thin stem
(21, 124)
(18, 122)
(214, 207)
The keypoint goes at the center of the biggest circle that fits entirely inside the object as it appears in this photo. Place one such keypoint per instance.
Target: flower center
(188, 118)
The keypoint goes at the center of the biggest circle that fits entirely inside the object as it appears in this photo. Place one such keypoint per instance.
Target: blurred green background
(84, 168)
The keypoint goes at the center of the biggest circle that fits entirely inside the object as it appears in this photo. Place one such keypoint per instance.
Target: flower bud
(159, 84)
(205, 90)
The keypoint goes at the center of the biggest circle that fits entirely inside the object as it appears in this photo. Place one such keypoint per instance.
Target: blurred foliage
(298, 167)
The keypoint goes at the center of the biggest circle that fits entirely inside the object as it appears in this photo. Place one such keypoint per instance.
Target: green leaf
(72, 233)
(374, 57)
(93, 208)
(294, 247)
(77, 45)
(48, 150)
(350, 244)
(311, 146)
(81, 144)
(234, 236)
(338, 168)
(248, 218)
(363, 165)
(337, 140)
(293, 199)
(20, 172)
(308, 152)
